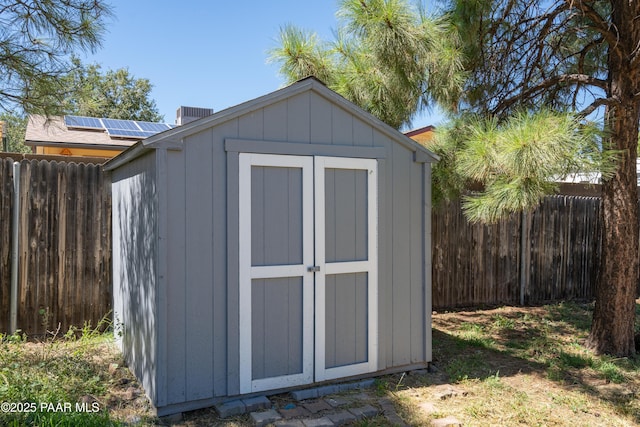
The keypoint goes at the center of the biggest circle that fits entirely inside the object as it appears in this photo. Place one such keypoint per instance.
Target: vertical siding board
(299, 118)
(179, 344)
(346, 315)
(295, 208)
(276, 325)
(320, 128)
(344, 330)
(330, 216)
(361, 237)
(330, 321)
(346, 224)
(341, 126)
(223, 233)
(416, 284)
(198, 166)
(294, 325)
(258, 328)
(401, 255)
(276, 122)
(427, 266)
(362, 133)
(135, 207)
(251, 125)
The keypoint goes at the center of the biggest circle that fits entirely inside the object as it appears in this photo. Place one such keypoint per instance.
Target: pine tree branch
(599, 103)
(531, 92)
(600, 24)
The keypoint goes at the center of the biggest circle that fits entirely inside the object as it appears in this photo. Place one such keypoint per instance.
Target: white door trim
(370, 266)
(248, 272)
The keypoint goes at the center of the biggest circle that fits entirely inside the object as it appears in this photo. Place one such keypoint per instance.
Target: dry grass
(505, 367)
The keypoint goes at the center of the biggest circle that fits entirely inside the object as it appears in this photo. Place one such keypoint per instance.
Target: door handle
(313, 268)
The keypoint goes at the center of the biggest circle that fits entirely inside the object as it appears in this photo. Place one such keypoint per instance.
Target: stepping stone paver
(341, 417)
(390, 412)
(317, 406)
(309, 393)
(289, 423)
(318, 422)
(337, 402)
(265, 417)
(230, 409)
(256, 403)
(366, 411)
(295, 412)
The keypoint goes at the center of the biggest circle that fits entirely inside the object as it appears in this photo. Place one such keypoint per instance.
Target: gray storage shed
(276, 244)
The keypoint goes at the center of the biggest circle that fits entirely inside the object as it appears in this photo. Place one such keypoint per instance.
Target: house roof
(423, 136)
(172, 139)
(52, 131)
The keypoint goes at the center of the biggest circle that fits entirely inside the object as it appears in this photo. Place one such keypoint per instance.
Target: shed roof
(172, 139)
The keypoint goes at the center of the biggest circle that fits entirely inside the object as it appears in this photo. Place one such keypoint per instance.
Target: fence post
(525, 254)
(15, 236)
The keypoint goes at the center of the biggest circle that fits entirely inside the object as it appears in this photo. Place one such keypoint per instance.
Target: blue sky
(211, 54)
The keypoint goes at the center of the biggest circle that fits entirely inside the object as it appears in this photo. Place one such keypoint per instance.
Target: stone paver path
(329, 406)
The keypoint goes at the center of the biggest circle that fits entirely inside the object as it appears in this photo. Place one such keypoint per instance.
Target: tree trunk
(612, 330)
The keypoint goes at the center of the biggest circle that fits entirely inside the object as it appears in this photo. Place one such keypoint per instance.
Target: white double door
(308, 269)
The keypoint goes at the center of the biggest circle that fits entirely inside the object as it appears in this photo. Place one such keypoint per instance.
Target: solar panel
(126, 133)
(117, 128)
(83, 122)
(120, 124)
(152, 127)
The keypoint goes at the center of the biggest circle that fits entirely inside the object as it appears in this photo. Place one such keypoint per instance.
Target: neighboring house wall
(81, 152)
(423, 135)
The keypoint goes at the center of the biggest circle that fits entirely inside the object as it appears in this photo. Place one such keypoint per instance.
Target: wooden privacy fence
(64, 245)
(545, 255)
(64, 262)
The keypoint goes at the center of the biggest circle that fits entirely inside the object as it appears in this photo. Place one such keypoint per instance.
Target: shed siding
(135, 257)
(346, 319)
(196, 341)
(277, 320)
(346, 205)
(200, 342)
(177, 349)
(201, 192)
(276, 216)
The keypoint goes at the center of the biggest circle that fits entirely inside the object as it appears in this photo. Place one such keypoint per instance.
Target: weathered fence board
(548, 254)
(6, 205)
(64, 246)
(473, 264)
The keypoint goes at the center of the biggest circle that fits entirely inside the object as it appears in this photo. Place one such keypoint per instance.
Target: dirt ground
(504, 366)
